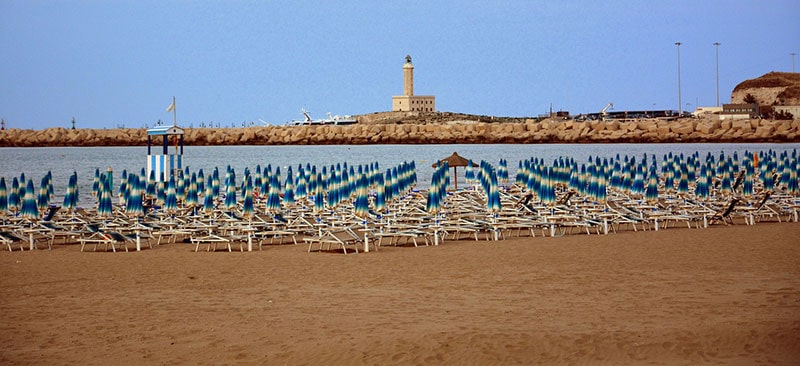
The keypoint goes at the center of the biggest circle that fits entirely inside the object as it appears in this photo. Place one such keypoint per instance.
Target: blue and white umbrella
(273, 197)
(703, 186)
(43, 199)
(171, 200)
(16, 195)
(134, 205)
(361, 204)
(151, 190)
(96, 183)
(380, 194)
(3, 195)
(230, 191)
(247, 206)
(192, 199)
(319, 199)
(29, 209)
(208, 200)
(288, 194)
(651, 192)
(104, 208)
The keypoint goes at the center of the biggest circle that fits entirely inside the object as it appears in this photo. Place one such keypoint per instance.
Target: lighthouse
(408, 77)
(408, 101)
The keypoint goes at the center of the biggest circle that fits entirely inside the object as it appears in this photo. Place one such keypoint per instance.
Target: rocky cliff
(774, 88)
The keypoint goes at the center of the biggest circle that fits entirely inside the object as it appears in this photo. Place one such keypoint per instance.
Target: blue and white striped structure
(161, 161)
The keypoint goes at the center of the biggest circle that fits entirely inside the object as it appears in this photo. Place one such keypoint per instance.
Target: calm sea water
(62, 161)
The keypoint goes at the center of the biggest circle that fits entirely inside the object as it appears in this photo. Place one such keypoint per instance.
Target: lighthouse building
(408, 101)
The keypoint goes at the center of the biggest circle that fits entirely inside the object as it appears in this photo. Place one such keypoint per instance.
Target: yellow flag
(171, 107)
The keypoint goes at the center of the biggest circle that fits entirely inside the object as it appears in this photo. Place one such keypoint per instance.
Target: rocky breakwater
(464, 132)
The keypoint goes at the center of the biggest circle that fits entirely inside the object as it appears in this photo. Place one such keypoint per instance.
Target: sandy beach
(722, 295)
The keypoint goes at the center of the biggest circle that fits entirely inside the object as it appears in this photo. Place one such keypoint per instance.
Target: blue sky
(120, 62)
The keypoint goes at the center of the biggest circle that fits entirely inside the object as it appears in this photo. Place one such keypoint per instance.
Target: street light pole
(792, 60)
(680, 111)
(716, 47)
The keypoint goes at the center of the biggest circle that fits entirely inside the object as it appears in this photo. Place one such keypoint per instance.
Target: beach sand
(722, 295)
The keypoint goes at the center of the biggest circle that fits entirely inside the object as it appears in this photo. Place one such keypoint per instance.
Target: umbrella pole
(366, 237)
(250, 235)
(455, 178)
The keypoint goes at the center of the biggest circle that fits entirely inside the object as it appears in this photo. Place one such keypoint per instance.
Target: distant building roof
(165, 130)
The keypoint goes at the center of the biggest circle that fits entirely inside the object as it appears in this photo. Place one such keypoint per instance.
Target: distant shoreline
(455, 131)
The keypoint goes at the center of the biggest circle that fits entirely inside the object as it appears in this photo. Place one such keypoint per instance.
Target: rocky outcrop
(774, 88)
(462, 131)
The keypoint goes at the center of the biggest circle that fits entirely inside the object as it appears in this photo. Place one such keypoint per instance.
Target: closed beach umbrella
(151, 185)
(380, 194)
(180, 189)
(638, 181)
(319, 199)
(134, 205)
(602, 188)
(96, 183)
(3, 195)
(683, 181)
(247, 206)
(14, 200)
(301, 189)
(702, 188)
(792, 185)
(432, 203)
(494, 194)
(208, 200)
(769, 181)
(110, 181)
(361, 204)
(29, 209)
(288, 194)
(726, 187)
(43, 199)
(502, 171)
(215, 182)
(192, 199)
(651, 193)
(230, 191)
(104, 208)
(749, 177)
(469, 173)
(274, 198)
(313, 186)
(161, 193)
(171, 199)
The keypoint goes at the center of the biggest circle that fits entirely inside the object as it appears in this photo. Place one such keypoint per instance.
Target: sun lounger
(406, 236)
(725, 215)
(57, 231)
(273, 235)
(10, 238)
(341, 236)
(212, 241)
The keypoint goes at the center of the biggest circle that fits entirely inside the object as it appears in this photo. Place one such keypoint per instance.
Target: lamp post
(792, 60)
(680, 111)
(716, 47)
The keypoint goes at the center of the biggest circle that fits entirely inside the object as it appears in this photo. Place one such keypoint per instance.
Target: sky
(118, 63)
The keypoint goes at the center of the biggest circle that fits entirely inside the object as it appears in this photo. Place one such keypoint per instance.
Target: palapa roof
(454, 161)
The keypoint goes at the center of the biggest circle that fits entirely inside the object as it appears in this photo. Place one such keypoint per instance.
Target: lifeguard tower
(159, 160)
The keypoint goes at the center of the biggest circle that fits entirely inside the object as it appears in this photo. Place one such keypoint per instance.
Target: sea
(62, 161)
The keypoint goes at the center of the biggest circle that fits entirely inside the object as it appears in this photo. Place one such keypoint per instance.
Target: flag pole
(174, 112)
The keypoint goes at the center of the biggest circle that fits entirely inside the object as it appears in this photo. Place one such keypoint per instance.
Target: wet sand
(728, 295)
